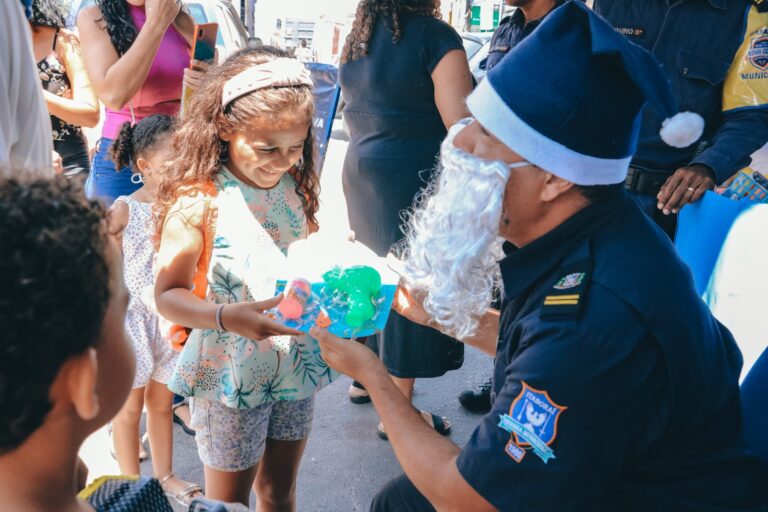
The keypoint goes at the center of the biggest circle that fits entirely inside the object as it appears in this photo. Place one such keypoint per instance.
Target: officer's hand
(686, 186)
(411, 306)
(347, 356)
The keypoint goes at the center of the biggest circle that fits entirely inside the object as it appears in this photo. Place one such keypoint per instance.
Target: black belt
(644, 181)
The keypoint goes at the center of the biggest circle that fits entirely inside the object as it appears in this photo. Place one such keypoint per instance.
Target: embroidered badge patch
(532, 423)
(758, 52)
(570, 281)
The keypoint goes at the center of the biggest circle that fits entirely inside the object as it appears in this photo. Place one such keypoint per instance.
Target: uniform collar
(521, 268)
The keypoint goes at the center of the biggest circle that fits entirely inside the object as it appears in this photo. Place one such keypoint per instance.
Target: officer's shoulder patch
(532, 424)
(566, 296)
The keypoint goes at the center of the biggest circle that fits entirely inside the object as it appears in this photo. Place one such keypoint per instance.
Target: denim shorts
(234, 439)
(105, 182)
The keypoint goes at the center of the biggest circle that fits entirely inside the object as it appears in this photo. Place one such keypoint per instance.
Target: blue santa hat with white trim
(568, 99)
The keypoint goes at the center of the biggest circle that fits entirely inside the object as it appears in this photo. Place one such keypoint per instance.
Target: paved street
(345, 463)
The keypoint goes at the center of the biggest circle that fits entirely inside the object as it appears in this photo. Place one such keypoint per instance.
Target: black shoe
(358, 394)
(477, 400)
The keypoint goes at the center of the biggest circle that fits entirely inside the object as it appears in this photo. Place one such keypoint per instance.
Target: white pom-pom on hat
(682, 130)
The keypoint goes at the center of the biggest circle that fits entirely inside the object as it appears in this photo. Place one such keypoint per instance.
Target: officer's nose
(465, 139)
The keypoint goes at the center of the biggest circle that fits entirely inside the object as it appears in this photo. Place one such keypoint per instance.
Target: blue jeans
(105, 182)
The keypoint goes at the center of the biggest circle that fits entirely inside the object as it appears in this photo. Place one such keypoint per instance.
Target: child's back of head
(65, 365)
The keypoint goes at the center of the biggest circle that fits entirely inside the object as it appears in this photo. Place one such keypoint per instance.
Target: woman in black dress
(404, 76)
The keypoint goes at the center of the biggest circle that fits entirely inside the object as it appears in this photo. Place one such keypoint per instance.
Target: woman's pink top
(161, 91)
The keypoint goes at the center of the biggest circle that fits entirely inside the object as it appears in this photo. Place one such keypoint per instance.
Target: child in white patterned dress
(145, 147)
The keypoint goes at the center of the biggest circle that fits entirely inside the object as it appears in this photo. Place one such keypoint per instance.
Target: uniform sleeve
(744, 127)
(576, 404)
(439, 38)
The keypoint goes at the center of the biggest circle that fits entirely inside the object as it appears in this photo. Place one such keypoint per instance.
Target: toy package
(750, 185)
(336, 284)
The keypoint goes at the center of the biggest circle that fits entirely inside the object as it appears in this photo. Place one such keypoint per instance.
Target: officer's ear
(554, 187)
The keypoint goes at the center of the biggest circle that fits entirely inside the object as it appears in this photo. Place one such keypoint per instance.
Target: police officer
(516, 27)
(614, 387)
(712, 52)
(510, 32)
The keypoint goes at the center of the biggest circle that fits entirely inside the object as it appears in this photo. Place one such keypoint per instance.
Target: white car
(232, 35)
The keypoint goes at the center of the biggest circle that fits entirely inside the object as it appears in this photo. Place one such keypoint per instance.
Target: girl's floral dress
(253, 230)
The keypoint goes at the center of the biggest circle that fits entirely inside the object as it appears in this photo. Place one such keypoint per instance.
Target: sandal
(185, 496)
(440, 424)
(358, 394)
(179, 421)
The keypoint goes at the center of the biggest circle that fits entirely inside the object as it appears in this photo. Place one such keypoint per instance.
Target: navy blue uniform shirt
(614, 387)
(696, 41)
(509, 33)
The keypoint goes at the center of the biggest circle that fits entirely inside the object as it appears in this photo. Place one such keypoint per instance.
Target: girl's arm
(181, 246)
(115, 78)
(453, 83)
(118, 220)
(83, 108)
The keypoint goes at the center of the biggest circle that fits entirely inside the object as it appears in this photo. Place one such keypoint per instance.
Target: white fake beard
(452, 238)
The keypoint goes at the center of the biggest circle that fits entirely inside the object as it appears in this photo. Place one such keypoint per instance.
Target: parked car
(477, 44)
(232, 34)
(474, 41)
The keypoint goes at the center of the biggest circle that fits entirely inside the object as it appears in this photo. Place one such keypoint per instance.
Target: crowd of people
(140, 274)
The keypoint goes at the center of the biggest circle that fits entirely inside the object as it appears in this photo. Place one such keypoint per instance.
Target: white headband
(282, 72)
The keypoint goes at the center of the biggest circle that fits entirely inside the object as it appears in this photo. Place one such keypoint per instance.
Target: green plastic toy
(361, 286)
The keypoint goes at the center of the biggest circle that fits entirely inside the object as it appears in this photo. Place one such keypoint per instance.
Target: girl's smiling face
(260, 155)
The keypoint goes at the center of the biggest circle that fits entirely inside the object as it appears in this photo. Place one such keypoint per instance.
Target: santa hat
(568, 99)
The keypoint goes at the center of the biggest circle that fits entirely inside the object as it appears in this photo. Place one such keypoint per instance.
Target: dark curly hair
(368, 11)
(135, 141)
(55, 271)
(199, 152)
(116, 17)
(48, 13)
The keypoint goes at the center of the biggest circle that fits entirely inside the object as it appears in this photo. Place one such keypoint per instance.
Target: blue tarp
(327, 91)
(702, 231)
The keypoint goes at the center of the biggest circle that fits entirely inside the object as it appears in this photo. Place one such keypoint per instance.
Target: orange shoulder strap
(177, 334)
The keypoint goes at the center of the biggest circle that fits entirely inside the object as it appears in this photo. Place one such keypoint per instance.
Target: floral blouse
(254, 228)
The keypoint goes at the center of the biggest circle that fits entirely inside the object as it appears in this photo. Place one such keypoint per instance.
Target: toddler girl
(145, 147)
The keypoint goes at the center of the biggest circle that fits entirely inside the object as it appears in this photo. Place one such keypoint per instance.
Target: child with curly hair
(241, 189)
(65, 362)
(145, 147)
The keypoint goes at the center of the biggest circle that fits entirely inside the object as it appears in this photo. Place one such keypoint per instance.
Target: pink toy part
(297, 295)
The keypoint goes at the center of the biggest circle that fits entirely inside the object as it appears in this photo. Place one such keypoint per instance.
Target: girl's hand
(162, 12)
(58, 164)
(193, 75)
(249, 321)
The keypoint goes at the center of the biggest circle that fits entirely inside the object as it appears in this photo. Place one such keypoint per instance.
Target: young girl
(145, 147)
(241, 189)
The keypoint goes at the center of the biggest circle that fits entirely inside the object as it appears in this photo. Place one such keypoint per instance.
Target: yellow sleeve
(746, 84)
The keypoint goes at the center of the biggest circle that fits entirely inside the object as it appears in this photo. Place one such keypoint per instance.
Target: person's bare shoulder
(89, 18)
